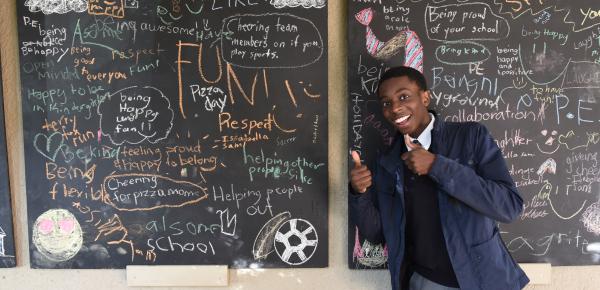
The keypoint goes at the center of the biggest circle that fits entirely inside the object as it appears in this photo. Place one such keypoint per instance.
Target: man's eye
(385, 104)
(403, 97)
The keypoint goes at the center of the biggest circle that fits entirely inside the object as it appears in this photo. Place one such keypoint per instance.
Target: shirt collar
(425, 137)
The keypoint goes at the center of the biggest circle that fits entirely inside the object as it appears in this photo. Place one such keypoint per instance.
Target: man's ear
(425, 98)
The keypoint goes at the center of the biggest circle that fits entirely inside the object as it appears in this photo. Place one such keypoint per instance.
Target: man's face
(404, 105)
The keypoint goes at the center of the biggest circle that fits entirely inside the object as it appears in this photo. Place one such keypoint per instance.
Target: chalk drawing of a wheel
(296, 241)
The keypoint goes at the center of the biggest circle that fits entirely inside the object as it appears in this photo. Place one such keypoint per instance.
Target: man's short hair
(401, 71)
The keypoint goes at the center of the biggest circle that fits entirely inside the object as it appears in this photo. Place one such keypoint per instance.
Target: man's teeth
(400, 120)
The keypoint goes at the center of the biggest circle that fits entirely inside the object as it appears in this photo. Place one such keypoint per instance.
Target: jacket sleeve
(490, 189)
(364, 212)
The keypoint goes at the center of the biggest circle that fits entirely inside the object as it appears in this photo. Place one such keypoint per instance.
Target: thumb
(410, 144)
(356, 159)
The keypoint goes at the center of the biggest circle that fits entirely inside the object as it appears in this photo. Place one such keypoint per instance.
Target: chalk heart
(48, 146)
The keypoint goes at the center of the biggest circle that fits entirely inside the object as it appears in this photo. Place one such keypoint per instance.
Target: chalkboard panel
(529, 71)
(7, 245)
(175, 132)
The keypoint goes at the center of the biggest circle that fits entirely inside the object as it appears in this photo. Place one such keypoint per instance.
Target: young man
(436, 196)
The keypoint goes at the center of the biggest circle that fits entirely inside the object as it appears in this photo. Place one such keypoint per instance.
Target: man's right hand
(360, 175)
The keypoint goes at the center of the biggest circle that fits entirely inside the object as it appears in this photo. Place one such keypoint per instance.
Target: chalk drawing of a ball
(296, 241)
(57, 235)
(591, 218)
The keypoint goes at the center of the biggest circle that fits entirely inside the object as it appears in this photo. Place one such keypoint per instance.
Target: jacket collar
(437, 135)
(391, 159)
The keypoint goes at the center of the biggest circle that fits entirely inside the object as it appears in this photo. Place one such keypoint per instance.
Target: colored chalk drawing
(57, 235)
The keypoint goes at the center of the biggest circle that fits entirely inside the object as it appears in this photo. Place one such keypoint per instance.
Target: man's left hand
(418, 160)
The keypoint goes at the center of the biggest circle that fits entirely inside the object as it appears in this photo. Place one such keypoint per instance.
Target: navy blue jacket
(475, 192)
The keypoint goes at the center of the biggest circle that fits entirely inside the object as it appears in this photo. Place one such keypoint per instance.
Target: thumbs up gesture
(418, 160)
(360, 175)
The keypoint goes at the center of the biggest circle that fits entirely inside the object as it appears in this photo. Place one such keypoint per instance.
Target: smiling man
(436, 197)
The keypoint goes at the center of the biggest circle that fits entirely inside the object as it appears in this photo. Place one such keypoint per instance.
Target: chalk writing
(172, 131)
(527, 70)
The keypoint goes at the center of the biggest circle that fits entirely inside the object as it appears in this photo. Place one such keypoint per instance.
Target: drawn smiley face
(550, 143)
(57, 235)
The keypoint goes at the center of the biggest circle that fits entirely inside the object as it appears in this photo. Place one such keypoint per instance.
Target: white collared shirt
(425, 137)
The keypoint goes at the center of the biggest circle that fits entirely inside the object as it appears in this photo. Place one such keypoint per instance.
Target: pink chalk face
(46, 226)
(57, 235)
(66, 226)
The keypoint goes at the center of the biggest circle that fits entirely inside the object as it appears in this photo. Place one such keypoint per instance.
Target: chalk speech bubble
(464, 52)
(136, 114)
(465, 21)
(272, 40)
(144, 192)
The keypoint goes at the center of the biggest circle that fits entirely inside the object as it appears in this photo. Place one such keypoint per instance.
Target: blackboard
(7, 244)
(175, 132)
(529, 71)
